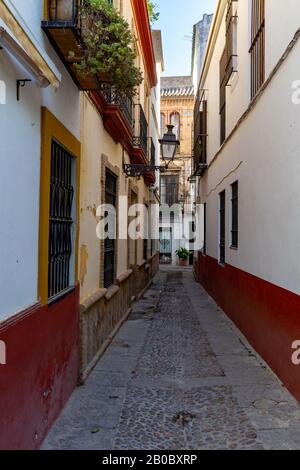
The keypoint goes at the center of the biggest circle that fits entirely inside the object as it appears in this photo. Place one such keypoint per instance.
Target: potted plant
(108, 47)
(183, 255)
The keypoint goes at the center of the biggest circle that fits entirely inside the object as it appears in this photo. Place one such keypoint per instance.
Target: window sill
(234, 248)
(111, 292)
(61, 295)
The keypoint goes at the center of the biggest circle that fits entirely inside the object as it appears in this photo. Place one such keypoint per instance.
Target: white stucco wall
(263, 155)
(20, 127)
(281, 25)
(201, 32)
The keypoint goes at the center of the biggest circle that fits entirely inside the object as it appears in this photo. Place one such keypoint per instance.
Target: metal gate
(165, 243)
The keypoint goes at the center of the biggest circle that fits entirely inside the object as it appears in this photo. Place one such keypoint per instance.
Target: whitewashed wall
(263, 155)
(20, 141)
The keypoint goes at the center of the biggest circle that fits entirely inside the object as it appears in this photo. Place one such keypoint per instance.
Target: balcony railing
(64, 11)
(140, 139)
(114, 97)
(65, 29)
(63, 26)
(200, 157)
(200, 134)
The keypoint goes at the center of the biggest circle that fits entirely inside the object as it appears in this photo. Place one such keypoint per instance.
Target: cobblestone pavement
(178, 376)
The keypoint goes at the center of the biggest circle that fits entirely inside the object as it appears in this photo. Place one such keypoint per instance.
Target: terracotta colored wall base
(268, 315)
(41, 371)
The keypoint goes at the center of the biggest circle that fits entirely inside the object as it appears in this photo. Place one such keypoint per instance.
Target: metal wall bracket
(138, 170)
(200, 169)
(20, 84)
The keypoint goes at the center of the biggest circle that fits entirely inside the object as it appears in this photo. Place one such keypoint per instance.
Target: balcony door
(165, 245)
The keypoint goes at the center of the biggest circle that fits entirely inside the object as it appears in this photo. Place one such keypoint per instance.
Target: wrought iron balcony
(140, 139)
(113, 97)
(63, 27)
(65, 11)
(200, 133)
(200, 155)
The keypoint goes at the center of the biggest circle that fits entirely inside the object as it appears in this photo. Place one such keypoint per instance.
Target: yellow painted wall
(96, 143)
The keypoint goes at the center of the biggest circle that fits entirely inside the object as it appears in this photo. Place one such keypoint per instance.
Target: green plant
(109, 50)
(183, 253)
(153, 13)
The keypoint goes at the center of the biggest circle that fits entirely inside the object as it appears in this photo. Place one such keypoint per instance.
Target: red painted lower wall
(42, 345)
(268, 315)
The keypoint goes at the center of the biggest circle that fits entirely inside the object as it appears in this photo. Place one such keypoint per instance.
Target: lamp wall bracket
(21, 84)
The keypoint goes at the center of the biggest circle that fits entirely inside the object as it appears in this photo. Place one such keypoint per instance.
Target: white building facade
(200, 36)
(39, 111)
(155, 136)
(247, 143)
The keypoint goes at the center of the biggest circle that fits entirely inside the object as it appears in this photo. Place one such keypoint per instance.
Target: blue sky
(177, 18)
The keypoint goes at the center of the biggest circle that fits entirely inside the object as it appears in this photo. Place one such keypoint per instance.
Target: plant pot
(183, 262)
(61, 10)
(104, 77)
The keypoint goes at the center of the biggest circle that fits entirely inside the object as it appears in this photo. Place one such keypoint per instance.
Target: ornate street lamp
(169, 145)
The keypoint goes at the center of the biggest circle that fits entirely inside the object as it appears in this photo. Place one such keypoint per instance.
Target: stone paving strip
(178, 376)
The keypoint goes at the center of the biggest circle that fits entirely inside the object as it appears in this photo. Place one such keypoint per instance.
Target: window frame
(175, 192)
(113, 243)
(235, 215)
(61, 221)
(231, 38)
(204, 250)
(223, 85)
(53, 129)
(200, 131)
(257, 47)
(222, 228)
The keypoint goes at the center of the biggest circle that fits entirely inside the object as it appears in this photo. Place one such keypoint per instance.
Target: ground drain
(183, 418)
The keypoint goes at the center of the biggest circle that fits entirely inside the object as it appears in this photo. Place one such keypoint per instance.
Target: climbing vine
(109, 50)
(153, 12)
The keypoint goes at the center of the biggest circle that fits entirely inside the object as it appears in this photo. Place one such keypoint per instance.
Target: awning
(25, 47)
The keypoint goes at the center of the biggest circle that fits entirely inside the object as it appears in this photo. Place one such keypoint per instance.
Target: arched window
(162, 124)
(175, 121)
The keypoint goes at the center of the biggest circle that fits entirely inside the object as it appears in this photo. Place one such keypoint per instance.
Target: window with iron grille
(222, 227)
(200, 132)
(257, 49)
(205, 228)
(235, 215)
(223, 83)
(169, 189)
(110, 241)
(60, 220)
(141, 129)
(231, 38)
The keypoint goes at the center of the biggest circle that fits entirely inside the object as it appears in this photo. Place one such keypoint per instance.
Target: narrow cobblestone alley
(178, 376)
